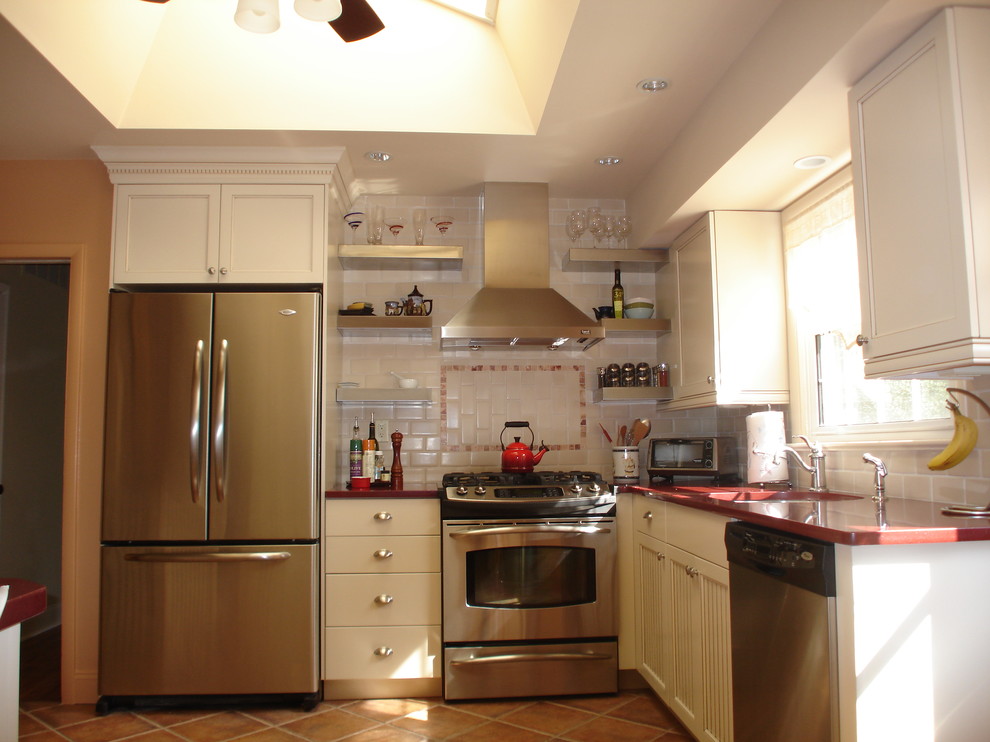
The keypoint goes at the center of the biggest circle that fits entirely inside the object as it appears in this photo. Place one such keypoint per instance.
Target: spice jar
(628, 377)
(612, 374)
(644, 376)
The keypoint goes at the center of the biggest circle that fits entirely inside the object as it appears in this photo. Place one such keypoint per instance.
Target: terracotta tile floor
(633, 716)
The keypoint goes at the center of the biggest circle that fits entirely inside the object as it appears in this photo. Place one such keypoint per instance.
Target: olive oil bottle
(618, 296)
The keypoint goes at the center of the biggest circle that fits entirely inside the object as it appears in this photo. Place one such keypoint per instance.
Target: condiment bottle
(618, 296)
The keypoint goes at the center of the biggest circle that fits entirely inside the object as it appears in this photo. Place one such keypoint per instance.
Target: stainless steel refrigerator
(210, 529)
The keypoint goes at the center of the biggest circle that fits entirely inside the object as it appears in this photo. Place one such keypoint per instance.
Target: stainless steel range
(529, 603)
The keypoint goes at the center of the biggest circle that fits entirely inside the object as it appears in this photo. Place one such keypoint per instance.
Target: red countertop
(25, 600)
(853, 520)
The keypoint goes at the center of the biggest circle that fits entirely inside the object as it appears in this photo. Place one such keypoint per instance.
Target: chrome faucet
(816, 467)
(879, 474)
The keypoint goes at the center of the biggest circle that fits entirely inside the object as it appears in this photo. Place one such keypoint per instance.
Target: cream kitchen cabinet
(382, 598)
(219, 233)
(683, 647)
(921, 172)
(724, 291)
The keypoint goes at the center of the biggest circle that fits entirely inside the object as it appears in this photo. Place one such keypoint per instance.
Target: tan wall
(59, 210)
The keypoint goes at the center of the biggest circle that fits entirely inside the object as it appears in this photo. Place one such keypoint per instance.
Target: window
(830, 398)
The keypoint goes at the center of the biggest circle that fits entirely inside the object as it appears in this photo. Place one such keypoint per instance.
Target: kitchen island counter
(852, 520)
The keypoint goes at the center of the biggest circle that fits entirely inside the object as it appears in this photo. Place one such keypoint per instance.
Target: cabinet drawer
(382, 554)
(698, 533)
(381, 652)
(382, 516)
(650, 516)
(383, 600)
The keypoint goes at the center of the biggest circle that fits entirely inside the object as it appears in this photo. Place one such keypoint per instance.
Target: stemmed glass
(623, 228)
(596, 223)
(354, 220)
(577, 222)
(395, 224)
(608, 228)
(443, 223)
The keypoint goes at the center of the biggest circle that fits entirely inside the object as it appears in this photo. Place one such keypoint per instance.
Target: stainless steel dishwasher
(782, 600)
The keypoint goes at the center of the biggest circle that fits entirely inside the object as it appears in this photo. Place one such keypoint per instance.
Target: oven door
(525, 580)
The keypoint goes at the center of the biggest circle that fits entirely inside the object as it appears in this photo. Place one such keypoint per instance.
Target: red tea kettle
(518, 457)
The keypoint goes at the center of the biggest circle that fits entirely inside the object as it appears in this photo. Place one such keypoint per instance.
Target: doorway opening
(34, 309)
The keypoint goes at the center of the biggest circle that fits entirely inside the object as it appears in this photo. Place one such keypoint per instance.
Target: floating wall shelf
(400, 257)
(641, 259)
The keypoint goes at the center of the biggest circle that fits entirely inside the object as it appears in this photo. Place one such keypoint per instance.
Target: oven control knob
(479, 491)
(461, 491)
(575, 489)
(594, 488)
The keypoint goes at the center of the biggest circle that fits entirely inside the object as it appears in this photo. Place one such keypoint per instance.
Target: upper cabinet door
(166, 234)
(210, 234)
(272, 234)
(920, 152)
(725, 292)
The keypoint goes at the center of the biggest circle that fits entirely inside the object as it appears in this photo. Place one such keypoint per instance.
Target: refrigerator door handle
(219, 424)
(211, 556)
(195, 431)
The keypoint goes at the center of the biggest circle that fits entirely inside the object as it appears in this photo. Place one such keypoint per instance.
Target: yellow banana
(962, 443)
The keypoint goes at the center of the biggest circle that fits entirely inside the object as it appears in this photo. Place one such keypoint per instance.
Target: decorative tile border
(477, 399)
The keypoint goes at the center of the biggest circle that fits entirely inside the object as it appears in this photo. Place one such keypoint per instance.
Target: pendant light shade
(259, 16)
(319, 10)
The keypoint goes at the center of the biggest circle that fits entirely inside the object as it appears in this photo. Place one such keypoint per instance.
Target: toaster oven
(710, 456)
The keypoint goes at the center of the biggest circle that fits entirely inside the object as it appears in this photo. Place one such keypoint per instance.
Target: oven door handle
(512, 530)
(500, 659)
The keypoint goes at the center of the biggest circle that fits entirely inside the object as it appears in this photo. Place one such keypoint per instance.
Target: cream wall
(62, 210)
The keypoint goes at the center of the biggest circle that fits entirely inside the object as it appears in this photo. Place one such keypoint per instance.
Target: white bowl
(408, 383)
(637, 312)
(640, 300)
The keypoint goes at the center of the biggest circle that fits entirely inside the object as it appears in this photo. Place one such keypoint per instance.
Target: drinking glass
(577, 222)
(623, 228)
(419, 225)
(443, 223)
(395, 224)
(596, 223)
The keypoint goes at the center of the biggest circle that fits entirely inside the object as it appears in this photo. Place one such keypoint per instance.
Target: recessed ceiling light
(608, 161)
(653, 84)
(812, 162)
(378, 156)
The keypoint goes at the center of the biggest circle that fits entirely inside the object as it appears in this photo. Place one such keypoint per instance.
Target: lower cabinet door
(381, 652)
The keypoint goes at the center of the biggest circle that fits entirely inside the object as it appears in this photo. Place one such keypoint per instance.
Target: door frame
(85, 373)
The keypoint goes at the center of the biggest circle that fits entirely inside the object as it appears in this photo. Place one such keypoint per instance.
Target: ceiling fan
(356, 21)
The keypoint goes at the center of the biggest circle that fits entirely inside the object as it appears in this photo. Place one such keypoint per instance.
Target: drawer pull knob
(383, 652)
(661, 557)
(383, 554)
(691, 571)
(383, 516)
(383, 599)
(648, 515)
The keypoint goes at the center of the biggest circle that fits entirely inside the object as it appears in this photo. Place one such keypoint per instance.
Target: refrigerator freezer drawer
(209, 620)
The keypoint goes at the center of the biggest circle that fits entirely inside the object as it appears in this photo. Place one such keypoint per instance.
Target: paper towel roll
(764, 440)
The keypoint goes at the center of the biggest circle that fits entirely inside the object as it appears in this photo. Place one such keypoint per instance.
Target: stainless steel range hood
(516, 308)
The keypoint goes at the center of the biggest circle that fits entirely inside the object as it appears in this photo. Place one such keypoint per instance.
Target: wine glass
(623, 228)
(577, 222)
(443, 223)
(608, 228)
(395, 224)
(596, 223)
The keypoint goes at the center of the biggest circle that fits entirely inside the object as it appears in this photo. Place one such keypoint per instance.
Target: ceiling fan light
(323, 11)
(257, 16)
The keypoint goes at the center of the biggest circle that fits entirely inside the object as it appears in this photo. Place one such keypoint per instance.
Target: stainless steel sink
(755, 494)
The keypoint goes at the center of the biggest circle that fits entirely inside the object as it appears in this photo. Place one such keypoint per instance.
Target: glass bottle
(618, 295)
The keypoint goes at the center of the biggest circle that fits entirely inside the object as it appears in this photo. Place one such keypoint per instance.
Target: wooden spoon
(622, 435)
(640, 429)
